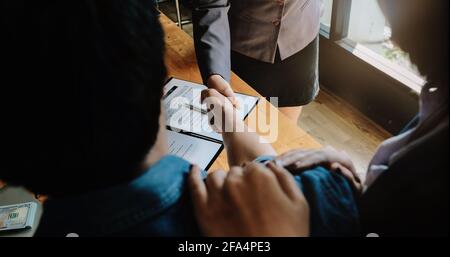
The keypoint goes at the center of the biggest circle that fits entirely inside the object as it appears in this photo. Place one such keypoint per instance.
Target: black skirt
(295, 80)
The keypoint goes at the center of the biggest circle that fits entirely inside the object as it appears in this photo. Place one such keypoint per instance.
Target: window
(363, 30)
(370, 31)
(360, 64)
(326, 16)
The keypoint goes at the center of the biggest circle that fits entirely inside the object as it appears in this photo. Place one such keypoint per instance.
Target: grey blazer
(254, 28)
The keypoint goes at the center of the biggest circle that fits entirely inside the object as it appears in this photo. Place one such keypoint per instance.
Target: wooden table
(181, 63)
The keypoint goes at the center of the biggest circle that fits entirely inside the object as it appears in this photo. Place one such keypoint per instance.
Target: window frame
(388, 95)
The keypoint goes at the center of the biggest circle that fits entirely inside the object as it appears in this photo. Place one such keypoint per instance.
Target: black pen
(195, 108)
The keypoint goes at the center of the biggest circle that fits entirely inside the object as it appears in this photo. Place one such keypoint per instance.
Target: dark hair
(421, 28)
(82, 88)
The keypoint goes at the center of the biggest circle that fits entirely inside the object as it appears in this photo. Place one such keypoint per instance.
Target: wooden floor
(328, 119)
(333, 122)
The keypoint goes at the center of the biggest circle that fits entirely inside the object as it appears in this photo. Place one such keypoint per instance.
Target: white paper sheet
(194, 150)
(179, 94)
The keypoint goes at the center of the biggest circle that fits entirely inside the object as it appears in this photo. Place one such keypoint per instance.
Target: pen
(194, 108)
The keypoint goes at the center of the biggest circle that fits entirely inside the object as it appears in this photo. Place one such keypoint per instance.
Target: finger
(286, 180)
(213, 104)
(232, 184)
(215, 181)
(211, 95)
(229, 93)
(307, 158)
(257, 168)
(353, 178)
(347, 162)
(235, 172)
(290, 157)
(301, 161)
(225, 89)
(222, 86)
(235, 102)
(198, 189)
(234, 176)
(311, 160)
(211, 98)
(205, 94)
(338, 156)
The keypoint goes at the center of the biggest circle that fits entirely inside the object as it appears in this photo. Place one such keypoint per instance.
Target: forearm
(242, 144)
(212, 38)
(245, 146)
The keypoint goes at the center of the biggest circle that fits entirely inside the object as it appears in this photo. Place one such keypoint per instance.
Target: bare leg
(293, 113)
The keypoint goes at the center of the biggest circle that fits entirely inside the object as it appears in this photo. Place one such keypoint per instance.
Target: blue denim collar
(118, 208)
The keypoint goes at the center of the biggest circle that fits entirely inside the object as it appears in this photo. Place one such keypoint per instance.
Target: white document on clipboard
(193, 149)
(189, 133)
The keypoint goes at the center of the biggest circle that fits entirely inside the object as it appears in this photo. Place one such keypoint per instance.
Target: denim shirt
(158, 204)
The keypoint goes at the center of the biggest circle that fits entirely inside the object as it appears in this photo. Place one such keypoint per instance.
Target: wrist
(233, 125)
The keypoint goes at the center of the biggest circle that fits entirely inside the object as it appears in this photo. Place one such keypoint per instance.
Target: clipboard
(176, 88)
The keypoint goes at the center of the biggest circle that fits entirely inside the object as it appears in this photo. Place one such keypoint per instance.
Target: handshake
(222, 114)
(222, 106)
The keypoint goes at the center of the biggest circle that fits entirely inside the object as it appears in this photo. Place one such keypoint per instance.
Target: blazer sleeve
(212, 37)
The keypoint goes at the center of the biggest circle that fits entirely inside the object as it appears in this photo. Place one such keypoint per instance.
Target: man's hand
(218, 83)
(253, 201)
(222, 114)
(299, 160)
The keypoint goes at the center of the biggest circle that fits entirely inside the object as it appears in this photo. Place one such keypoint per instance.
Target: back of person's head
(421, 28)
(81, 92)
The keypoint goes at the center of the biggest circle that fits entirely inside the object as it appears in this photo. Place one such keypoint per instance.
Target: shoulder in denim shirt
(158, 204)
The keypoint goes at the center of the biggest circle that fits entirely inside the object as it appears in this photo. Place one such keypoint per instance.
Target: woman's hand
(223, 87)
(253, 201)
(223, 115)
(299, 160)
